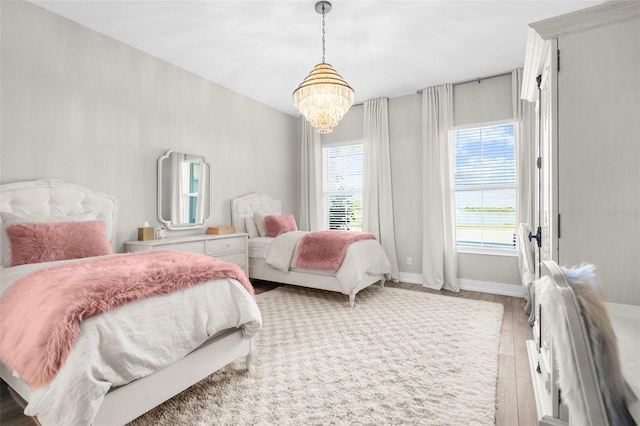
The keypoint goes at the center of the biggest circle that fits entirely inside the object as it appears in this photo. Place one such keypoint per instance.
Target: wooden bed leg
(352, 299)
(251, 368)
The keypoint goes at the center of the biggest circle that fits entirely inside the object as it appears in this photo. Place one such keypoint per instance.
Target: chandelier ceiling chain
(323, 97)
(323, 48)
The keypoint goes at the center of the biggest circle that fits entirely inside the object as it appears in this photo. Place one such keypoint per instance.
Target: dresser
(228, 247)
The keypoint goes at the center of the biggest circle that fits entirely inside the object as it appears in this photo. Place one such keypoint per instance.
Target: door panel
(546, 193)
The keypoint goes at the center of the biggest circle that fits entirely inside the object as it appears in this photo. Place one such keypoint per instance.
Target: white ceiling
(264, 49)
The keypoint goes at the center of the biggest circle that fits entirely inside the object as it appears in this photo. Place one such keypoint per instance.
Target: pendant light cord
(323, 49)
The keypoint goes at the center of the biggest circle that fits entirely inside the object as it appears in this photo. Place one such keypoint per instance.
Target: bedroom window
(485, 187)
(342, 183)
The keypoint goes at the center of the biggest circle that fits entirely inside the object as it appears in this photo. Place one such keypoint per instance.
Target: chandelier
(323, 97)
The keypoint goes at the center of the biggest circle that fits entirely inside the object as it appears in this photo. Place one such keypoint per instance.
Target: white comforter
(133, 341)
(363, 257)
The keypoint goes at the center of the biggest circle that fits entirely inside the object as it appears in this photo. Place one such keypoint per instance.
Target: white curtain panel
(524, 135)
(310, 179)
(439, 256)
(524, 132)
(377, 200)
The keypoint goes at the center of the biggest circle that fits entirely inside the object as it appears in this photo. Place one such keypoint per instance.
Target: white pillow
(251, 227)
(13, 218)
(259, 220)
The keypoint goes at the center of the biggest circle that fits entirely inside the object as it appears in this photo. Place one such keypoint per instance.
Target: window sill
(488, 251)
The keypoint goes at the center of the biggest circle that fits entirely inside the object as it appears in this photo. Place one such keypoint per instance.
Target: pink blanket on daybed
(41, 313)
(327, 249)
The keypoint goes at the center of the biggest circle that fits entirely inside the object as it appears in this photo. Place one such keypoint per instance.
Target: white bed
(365, 262)
(592, 350)
(221, 341)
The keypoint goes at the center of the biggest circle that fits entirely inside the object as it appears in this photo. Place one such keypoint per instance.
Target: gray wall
(84, 108)
(79, 106)
(474, 102)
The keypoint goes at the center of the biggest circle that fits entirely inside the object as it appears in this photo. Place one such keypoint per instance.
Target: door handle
(537, 236)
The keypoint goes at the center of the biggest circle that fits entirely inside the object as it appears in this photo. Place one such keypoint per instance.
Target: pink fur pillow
(11, 218)
(279, 224)
(46, 242)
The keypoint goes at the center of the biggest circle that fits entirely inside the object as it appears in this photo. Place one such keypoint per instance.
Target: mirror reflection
(183, 190)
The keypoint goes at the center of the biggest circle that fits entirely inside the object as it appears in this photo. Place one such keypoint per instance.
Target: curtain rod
(479, 79)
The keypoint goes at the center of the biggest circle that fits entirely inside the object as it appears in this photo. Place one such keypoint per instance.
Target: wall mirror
(183, 190)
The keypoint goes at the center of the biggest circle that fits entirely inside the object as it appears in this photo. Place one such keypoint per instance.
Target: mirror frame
(185, 226)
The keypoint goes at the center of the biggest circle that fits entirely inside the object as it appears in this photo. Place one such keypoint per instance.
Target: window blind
(342, 186)
(485, 186)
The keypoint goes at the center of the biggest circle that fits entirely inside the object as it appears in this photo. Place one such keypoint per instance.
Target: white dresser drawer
(193, 247)
(225, 245)
(232, 248)
(237, 258)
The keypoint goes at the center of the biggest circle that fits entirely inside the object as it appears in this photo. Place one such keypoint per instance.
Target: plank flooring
(515, 404)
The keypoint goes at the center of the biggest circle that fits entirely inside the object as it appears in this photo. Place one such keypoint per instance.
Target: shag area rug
(398, 357)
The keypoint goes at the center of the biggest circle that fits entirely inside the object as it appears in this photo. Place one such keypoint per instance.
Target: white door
(546, 221)
(546, 176)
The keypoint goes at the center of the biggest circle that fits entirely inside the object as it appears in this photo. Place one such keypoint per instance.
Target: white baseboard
(491, 287)
(411, 278)
(471, 285)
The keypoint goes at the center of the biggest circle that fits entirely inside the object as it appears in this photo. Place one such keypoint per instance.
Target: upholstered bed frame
(52, 197)
(569, 358)
(245, 206)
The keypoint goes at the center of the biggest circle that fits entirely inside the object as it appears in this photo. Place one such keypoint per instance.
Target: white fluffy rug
(398, 357)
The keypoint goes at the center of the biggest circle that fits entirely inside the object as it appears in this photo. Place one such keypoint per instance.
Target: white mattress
(259, 247)
(260, 263)
(364, 264)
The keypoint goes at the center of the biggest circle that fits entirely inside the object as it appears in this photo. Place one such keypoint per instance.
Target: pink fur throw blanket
(41, 312)
(327, 249)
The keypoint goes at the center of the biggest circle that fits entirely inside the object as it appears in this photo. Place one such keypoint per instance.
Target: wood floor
(515, 404)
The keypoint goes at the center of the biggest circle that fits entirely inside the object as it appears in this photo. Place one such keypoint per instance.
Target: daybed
(365, 262)
(586, 370)
(132, 358)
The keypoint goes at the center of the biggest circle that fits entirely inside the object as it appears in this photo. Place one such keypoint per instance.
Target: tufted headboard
(53, 197)
(249, 204)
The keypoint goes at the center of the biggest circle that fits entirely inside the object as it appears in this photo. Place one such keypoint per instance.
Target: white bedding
(133, 341)
(259, 247)
(365, 262)
(363, 257)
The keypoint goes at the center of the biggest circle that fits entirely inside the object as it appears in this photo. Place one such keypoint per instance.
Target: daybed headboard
(574, 354)
(249, 204)
(53, 197)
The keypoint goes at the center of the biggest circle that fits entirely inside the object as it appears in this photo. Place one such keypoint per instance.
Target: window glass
(342, 183)
(485, 186)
